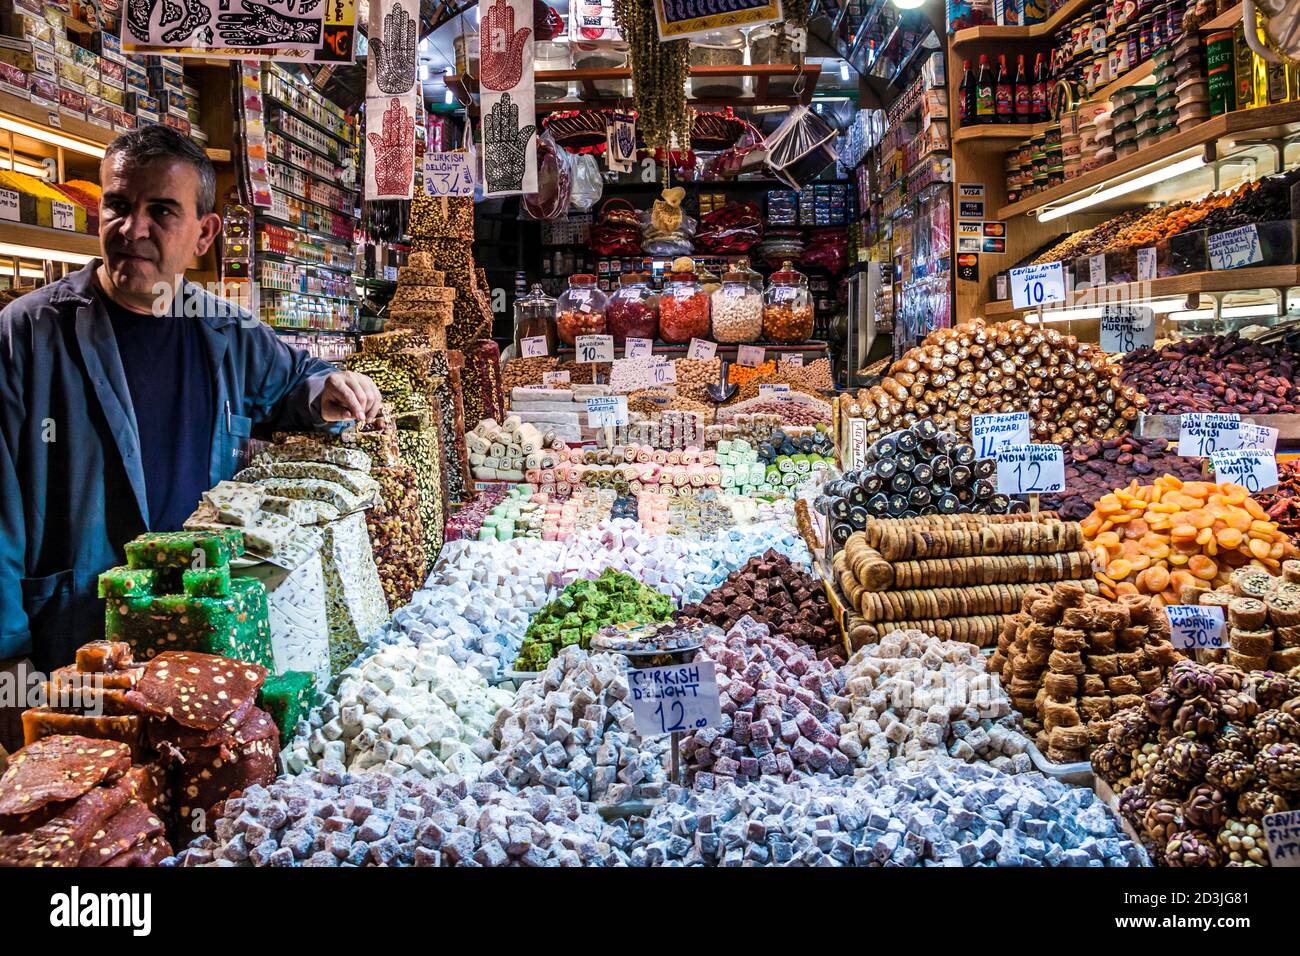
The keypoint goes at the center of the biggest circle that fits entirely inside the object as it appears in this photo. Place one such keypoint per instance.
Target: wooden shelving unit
(996, 34)
(43, 237)
(1224, 21)
(1003, 133)
(68, 126)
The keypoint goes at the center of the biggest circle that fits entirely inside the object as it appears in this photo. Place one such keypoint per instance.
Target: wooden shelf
(989, 34)
(1227, 280)
(69, 126)
(1168, 426)
(218, 155)
(1000, 132)
(1264, 122)
(1224, 21)
(24, 234)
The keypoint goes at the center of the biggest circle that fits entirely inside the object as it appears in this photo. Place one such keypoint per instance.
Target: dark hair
(148, 143)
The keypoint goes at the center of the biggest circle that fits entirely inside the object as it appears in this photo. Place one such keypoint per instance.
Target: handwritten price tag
(702, 350)
(991, 432)
(594, 348)
(607, 410)
(1259, 436)
(533, 346)
(638, 348)
(665, 373)
(1124, 329)
(9, 205)
(674, 699)
(750, 355)
(1235, 248)
(778, 391)
(793, 358)
(1194, 626)
(1031, 469)
(1282, 834)
(65, 216)
(1147, 263)
(1201, 434)
(555, 378)
(1251, 468)
(1037, 285)
(1097, 270)
(448, 174)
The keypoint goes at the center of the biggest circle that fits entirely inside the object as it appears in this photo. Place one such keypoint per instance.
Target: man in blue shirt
(116, 414)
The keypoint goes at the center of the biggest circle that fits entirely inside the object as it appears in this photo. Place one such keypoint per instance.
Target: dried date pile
(1215, 373)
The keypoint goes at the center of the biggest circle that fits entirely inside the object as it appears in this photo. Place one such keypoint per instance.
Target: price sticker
(533, 346)
(1037, 285)
(594, 348)
(674, 699)
(1282, 834)
(1031, 469)
(1201, 434)
(607, 410)
(750, 355)
(1097, 270)
(1251, 468)
(638, 348)
(555, 378)
(1124, 328)
(665, 373)
(991, 432)
(702, 350)
(65, 217)
(54, 120)
(1194, 626)
(1235, 248)
(778, 391)
(9, 205)
(1147, 264)
(1259, 436)
(793, 358)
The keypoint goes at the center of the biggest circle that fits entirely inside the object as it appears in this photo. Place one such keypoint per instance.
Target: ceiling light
(908, 4)
(1158, 306)
(424, 72)
(844, 72)
(51, 137)
(1232, 312)
(1112, 192)
(41, 254)
(448, 97)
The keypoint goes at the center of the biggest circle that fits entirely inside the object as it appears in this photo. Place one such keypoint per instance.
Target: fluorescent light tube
(40, 253)
(51, 137)
(1113, 192)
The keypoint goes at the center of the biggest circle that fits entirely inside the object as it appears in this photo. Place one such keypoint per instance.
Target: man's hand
(349, 395)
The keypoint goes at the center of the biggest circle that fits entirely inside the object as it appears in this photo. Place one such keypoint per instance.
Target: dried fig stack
(1070, 660)
(1209, 753)
(1071, 389)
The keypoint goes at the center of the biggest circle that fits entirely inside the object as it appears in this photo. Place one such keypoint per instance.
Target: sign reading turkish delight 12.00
(674, 699)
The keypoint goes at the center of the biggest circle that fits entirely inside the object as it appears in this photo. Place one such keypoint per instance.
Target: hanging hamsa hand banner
(506, 96)
(394, 43)
(390, 146)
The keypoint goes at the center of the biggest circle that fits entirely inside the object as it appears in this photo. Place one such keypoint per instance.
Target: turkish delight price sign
(1037, 285)
(448, 174)
(594, 348)
(533, 346)
(1193, 626)
(1253, 469)
(1201, 434)
(1282, 834)
(1031, 469)
(991, 432)
(607, 410)
(1124, 328)
(674, 699)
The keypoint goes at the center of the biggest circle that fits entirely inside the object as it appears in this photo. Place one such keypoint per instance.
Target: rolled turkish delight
(237, 503)
(184, 549)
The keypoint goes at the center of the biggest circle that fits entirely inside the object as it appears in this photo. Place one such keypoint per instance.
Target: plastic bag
(587, 183)
(554, 181)
(801, 148)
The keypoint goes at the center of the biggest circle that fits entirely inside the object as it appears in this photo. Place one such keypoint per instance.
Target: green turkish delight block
(570, 635)
(125, 582)
(184, 549)
(288, 698)
(206, 582)
(588, 631)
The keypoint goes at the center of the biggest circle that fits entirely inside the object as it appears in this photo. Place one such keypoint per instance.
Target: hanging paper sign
(448, 174)
(190, 27)
(394, 33)
(250, 34)
(1195, 626)
(390, 147)
(506, 97)
(677, 19)
(1125, 328)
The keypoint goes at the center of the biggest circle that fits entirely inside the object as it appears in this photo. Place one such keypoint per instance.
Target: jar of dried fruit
(633, 310)
(787, 307)
(737, 308)
(535, 316)
(580, 309)
(683, 309)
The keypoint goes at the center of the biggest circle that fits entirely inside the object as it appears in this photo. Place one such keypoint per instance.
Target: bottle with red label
(1038, 106)
(1004, 93)
(966, 96)
(1023, 92)
(985, 101)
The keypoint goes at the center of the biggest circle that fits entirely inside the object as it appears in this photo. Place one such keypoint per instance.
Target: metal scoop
(722, 391)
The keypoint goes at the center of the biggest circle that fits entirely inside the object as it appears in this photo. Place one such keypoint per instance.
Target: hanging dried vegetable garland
(659, 74)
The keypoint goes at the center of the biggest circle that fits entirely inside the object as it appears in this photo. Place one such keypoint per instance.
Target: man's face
(149, 226)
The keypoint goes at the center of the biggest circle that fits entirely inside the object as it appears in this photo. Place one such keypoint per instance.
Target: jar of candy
(633, 309)
(737, 308)
(534, 317)
(787, 307)
(683, 309)
(580, 310)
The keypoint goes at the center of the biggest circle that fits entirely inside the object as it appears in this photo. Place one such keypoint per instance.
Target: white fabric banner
(506, 97)
(248, 24)
(390, 146)
(394, 44)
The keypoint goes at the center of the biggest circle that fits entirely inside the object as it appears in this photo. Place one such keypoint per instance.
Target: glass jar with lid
(535, 316)
(787, 306)
(719, 48)
(683, 309)
(737, 306)
(633, 309)
(580, 310)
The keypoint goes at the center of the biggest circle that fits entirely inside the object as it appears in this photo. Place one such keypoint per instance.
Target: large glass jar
(534, 316)
(737, 309)
(580, 310)
(787, 307)
(683, 309)
(633, 310)
(720, 48)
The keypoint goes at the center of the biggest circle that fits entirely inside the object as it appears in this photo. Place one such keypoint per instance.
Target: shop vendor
(117, 414)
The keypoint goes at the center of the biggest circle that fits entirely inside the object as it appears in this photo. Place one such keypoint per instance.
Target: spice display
(1215, 373)
(954, 576)
(953, 707)
(1094, 469)
(1070, 660)
(633, 310)
(584, 607)
(1208, 753)
(683, 309)
(1161, 538)
(1071, 389)
(1261, 612)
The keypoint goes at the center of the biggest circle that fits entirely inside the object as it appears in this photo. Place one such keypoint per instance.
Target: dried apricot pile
(1158, 539)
